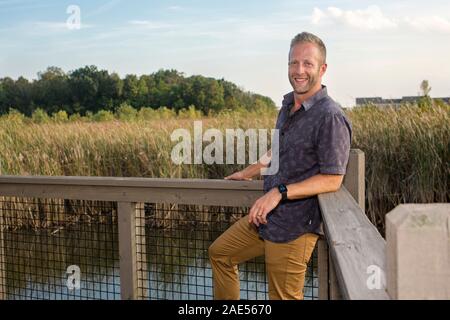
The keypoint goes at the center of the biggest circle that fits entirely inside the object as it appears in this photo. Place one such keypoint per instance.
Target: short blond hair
(310, 38)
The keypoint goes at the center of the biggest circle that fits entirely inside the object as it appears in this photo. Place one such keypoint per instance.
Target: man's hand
(262, 206)
(237, 176)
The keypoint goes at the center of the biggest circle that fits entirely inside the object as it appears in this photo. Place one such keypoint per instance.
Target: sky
(375, 48)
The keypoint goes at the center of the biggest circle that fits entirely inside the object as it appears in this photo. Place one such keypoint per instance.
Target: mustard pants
(286, 263)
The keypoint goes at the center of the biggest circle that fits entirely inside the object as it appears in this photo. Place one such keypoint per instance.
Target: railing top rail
(255, 185)
(181, 191)
(356, 246)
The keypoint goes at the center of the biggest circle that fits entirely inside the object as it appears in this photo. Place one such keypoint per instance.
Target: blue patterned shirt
(313, 140)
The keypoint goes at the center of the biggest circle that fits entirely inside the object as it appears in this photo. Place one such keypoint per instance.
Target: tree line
(89, 90)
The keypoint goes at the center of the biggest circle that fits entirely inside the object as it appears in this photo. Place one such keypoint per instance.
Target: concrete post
(418, 251)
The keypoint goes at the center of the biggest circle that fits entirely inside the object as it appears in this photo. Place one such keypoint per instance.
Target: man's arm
(252, 170)
(320, 183)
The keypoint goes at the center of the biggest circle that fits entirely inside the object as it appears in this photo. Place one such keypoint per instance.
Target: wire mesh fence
(59, 249)
(68, 249)
(176, 246)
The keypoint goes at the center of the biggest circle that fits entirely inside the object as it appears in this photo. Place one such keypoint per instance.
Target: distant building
(378, 101)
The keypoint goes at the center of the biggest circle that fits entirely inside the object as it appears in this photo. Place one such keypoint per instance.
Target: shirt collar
(288, 99)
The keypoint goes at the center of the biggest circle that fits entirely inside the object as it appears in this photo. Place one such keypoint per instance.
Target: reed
(406, 148)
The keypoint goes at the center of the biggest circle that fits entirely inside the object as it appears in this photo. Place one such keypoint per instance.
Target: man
(284, 224)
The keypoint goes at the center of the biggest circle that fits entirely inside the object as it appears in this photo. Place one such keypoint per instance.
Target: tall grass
(407, 153)
(114, 148)
(406, 148)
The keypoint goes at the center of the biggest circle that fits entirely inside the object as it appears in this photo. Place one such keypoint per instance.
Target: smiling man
(284, 224)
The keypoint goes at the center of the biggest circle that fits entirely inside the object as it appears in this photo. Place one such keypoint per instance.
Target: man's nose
(298, 68)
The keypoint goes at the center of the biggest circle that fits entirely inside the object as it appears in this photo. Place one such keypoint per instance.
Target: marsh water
(175, 265)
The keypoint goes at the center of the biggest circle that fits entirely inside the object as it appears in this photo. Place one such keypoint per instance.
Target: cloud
(103, 8)
(23, 5)
(372, 18)
(56, 26)
(433, 23)
(150, 24)
(175, 8)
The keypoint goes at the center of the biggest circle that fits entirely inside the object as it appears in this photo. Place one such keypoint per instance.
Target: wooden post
(328, 283)
(2, 260)
(354, 180)
(322, 259)
(141, 256)
(128, 253)
(418, 251)
(334, 293)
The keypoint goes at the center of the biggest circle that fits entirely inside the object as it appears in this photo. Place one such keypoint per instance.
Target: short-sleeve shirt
(313, 140)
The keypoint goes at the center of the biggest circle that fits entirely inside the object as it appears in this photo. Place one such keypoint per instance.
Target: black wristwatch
(283, 190)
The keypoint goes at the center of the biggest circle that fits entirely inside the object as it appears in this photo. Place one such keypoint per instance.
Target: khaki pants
(286, 263)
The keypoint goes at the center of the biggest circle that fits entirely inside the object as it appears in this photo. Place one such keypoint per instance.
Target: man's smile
(300, 81)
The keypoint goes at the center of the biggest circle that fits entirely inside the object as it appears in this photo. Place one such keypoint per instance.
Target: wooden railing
(350, 244)
(352, 247)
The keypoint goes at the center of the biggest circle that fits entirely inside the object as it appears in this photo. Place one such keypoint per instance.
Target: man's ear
(323, 69)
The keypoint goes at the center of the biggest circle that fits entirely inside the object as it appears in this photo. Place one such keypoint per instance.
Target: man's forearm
(315, 185)
(254, 169)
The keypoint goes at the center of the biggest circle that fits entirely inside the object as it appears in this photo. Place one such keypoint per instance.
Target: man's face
(305, 67)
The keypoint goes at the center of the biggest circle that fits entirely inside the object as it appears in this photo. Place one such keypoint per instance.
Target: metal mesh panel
(173, 254)
(59, 249)
(47, 244)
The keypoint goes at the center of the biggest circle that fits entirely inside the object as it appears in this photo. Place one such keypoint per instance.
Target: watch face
(282, 188)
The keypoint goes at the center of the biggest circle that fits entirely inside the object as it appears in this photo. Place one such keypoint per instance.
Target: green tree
(60, 116)
(425, 100)
(17, 94)
(51, 90)
(14, 117)
(425, 88)
(110, 89)
(84, 87)
(103, 115)
(40, 116)
(88, 89)
(76, 117)
(3, 102)
(130, 89)
(126, 112)
(190, 113)
(146, 114)
(142, 93)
